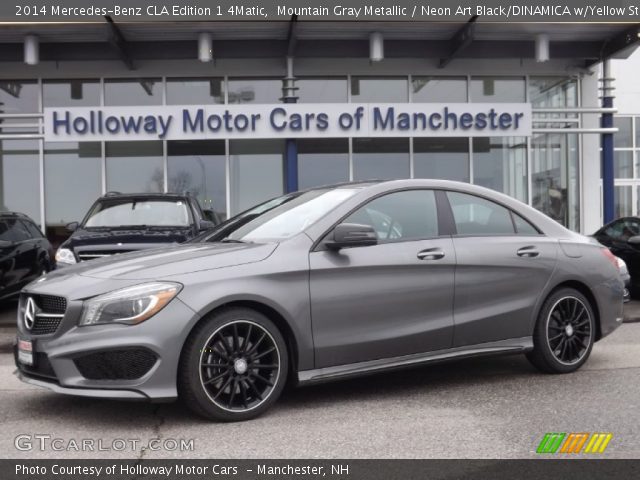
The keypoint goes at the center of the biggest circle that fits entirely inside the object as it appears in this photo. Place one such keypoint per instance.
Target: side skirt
(509, 346)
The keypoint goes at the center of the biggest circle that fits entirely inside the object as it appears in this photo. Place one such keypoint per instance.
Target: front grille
(42, 367)
(93, 254)
(45, 325)
(50, 303)
(49, 312)
(122, 364)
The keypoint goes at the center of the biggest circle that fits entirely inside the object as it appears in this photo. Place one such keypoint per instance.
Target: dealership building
(238, 112)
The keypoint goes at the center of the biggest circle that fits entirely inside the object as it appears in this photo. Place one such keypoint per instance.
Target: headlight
(129, 305)
(64, 255)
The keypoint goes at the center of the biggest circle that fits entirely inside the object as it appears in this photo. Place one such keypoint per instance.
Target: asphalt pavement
(481, 408)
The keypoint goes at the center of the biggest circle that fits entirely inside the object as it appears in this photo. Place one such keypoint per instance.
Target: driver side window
(405, 215)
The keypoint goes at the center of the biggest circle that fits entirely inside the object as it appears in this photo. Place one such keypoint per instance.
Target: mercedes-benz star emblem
(30, 314)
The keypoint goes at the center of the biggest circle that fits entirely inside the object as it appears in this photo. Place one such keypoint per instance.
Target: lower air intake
(124, 364)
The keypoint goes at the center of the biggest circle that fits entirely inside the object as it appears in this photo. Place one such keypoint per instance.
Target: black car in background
(622, 237)
(119, 223)
(25, 253)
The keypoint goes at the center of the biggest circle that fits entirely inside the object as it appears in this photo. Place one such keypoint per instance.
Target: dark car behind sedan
(120, 223)
(622, 237)
(25, 253)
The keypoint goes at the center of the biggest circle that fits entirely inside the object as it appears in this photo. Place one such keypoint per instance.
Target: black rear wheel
(234, 365)
(564, 333)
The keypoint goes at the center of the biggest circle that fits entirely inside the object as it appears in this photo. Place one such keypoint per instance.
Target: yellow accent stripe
(594, 437)
(607, 439)
(596, 445)
(581, 441)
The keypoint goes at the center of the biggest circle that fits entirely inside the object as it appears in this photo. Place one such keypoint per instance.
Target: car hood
(83, 237)
(169, 261)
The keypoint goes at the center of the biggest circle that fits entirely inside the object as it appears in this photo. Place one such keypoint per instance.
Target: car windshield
(283, 217)
(136, 213)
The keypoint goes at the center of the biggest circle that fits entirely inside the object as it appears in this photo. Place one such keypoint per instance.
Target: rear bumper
(609, 296)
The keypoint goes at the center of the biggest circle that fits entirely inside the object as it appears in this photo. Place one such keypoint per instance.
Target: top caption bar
(33, 11)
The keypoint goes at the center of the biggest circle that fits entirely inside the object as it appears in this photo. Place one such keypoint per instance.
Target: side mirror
(209, 215)
(72, 227)
(635, 241)
(206, 225)
(352, 235)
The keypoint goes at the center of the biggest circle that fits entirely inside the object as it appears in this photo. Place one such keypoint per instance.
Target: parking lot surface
(480, 408)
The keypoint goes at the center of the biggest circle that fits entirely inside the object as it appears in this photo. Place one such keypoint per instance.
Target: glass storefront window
(66, 199)
(19, 177)
(623, 164)
(439, 89)
(500, 163)
(553, 91)
(134, 166)
(133, 91)
(623, 203)
(322, 162)
(322, 90)
(195, 91)
(497, 89)
(637, 122)
(199, 167)
(554, 180)
(380, 158)
(442, 158)
(379, 89)
(19, 96)
(624, 137)
(70, 93)
(256, 172)
(254, 90)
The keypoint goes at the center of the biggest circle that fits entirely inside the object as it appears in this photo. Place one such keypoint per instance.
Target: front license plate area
(25, 352)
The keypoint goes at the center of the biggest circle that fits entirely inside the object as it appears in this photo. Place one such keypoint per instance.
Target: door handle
(431, 254)
(529, 252)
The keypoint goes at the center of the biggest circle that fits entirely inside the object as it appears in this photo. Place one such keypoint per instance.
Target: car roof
(15, 215)
(145, 195)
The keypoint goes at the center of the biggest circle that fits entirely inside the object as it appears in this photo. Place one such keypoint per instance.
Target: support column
(608, 181)
(291, 145)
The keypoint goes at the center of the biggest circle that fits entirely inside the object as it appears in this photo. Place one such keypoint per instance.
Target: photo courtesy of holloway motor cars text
(319, 240)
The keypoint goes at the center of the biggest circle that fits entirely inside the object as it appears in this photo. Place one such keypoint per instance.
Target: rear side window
(523, 227)
(397, 216)
(477, 216)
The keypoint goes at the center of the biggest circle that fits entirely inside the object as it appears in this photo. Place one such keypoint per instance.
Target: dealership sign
(301, 120)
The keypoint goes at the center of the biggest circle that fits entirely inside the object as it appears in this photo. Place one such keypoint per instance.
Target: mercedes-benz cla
(319, 285)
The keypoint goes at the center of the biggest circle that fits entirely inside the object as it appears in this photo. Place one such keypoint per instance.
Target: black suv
(25, 253)
(120, 223)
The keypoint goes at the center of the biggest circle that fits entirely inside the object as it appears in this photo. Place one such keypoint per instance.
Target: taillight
(611, 257)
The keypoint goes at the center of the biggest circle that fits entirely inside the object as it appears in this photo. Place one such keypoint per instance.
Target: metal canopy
(443, 41)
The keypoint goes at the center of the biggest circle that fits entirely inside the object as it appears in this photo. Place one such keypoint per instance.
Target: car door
(503, 265)
(390, 299)
(19, 255)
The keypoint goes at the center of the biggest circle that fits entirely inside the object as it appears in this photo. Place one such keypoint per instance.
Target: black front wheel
(234, 365)
(564, 333)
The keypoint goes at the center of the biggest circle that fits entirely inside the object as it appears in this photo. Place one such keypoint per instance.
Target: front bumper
(59, 357)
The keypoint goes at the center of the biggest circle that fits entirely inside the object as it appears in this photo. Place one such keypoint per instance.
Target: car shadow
(433, 379)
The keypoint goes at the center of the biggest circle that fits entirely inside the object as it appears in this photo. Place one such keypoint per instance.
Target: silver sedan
(319, 285)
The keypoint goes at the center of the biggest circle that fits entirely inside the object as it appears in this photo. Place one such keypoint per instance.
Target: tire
(564, 333)
(222, 377)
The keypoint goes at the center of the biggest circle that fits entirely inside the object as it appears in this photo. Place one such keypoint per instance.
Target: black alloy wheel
(234, 365)
(569, 330)
(564, 333)
(239, 366)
